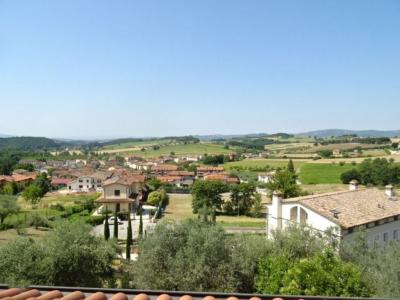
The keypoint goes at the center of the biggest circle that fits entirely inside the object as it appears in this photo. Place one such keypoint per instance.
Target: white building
(266, 177)
(373, 210)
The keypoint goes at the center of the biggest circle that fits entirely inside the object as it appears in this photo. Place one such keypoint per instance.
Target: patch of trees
(199, 256)
(378, 172)
(325, 153)
(355, 139)
(69, 255)
(215, 159)
(27, 143)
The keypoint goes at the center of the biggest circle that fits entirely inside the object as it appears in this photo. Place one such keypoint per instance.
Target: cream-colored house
(122, 192)
(371, 209)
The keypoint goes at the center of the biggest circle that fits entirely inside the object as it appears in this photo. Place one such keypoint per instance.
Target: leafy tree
(10, 188)
(285, 182)
(241, 199)
(207, 194)
(158, 198)
(32, 194)
(349, 175)
(8, 206)
(325, 153)
(106, 229)
(324, 275)
(154, 184)
(68, 255)
(290, 167)
(38, 220)
(43, 182)
(188, 256)
(395, 145)
(257, 209)
(129, 241)
(27, 167)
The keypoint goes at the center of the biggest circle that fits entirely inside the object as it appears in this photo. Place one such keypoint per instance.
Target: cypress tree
(106, 229)
(141, 223)
(290, 167)
(115, 225)
(129, 238)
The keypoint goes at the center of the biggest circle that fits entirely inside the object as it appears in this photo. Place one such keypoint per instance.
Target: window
(80, 186)
(80, 180)
(395, 234)
(87, 180)
(117, 192)
(386, 236)
(303, 215)
(293, 214)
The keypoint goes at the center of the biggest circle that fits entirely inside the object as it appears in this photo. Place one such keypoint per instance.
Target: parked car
(111, 220)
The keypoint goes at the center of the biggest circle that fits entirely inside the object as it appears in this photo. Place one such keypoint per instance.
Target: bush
(95, 220)
(58, 207)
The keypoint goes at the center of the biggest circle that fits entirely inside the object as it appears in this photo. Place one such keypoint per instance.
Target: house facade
(122, 193)
(375, 211)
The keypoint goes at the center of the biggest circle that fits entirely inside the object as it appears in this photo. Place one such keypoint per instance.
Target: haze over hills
(362, 133)
(9, 141)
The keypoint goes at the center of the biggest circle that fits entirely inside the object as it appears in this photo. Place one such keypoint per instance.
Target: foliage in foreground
(69, 256)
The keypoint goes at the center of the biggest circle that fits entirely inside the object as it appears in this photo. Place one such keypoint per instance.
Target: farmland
(312, 173)
(178, 149)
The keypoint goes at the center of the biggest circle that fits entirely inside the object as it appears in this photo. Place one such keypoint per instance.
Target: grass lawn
(10, 234)
(324, 188)
(312, 173)
(57, 198)
(262, 163)
(180, 149)
(180, 208)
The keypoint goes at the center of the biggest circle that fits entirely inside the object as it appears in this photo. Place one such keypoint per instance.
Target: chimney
(353, 186)
(274, 213)
(389, 191)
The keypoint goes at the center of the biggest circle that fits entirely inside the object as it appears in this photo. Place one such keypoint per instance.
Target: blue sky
(156, 68)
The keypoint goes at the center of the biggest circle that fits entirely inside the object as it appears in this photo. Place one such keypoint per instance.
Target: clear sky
(156, 68)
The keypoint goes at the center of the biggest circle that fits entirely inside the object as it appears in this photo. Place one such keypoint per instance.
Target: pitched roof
(210, 168)
(124, 180)
(355, 207)
(80, 293)
(165, 167)
(181, 173)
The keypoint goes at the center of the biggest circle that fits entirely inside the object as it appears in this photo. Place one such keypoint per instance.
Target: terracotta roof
(209, 168)
(19, 177)
(115, 200)
(125, 180)
(165, 167)
(80, 293)
(223, 177)
(355, 207)
(168, 178)
(57, 181)
(181, 173)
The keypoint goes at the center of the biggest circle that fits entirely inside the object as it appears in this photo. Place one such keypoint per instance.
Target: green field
(263, 163)
(180, 208)
(313, 173)
(136, 144)
(180, 149)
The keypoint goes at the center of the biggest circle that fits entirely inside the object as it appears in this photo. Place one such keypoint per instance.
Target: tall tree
(140, 221)
(290, 167)
(115, 225)
(285, 182)
(129, 241)
(106, 228)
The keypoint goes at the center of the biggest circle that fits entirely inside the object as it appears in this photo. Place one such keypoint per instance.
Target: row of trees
(378, 171)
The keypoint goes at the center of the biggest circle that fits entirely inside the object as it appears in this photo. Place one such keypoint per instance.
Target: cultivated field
(311, 173)
(178, 149)
(263, 163)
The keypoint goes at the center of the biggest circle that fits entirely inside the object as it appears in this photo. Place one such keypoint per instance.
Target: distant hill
(360, 133)
(27, 143)
(2, 135)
